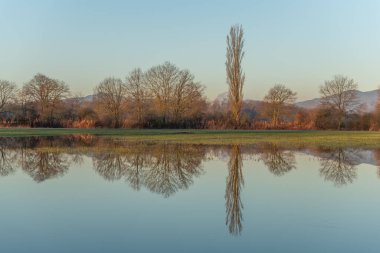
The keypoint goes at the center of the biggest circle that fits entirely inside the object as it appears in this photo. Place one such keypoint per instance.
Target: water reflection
(162, 169)
(377, 158)
(235, 181)
(165, 168)
(43, 165)
(338, 166)
(278, 160)
(7, 159)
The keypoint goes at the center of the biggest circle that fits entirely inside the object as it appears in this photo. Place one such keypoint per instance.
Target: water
(87, 194)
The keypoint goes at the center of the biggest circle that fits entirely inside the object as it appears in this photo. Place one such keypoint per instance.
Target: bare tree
(235, 75)
(277, 98)
(160, 81)
(174, 92)
(110, 94)
(339, 94)
(136, 91)
(7, 93)
(188, 94)
(46, 93)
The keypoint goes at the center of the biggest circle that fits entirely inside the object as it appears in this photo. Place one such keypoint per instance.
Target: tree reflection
(377, 159)
(7, 160)
(338, 167)
(235, 181)
(161, 168)
(42, 165)
(173, 167)
(138, 161)
(111, 166)
(278, 161)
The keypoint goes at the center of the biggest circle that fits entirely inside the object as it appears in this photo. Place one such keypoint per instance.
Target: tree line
(166, 96)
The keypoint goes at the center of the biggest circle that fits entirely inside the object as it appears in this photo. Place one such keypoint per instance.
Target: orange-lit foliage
(86, 123)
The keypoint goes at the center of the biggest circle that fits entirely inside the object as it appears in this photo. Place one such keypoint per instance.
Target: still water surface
(87, 194)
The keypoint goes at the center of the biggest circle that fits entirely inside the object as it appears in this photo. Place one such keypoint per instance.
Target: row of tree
(168, 97)
(165, 96)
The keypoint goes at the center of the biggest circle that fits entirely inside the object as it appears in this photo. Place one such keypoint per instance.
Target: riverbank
(321, 138)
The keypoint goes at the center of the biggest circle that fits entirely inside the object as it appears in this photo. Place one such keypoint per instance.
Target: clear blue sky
(297, 43)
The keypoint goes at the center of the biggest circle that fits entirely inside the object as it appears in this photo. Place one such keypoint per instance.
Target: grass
(225, 137)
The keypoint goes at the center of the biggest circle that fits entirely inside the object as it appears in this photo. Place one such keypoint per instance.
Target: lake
(96, 194)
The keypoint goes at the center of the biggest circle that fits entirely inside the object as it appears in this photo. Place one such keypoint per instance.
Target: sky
(296, 43)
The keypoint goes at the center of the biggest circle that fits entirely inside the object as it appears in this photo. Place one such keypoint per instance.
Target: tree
(137, 94)
(235, 75)
(110, 94)
(7, 93)
(187, 97)
(46, 94)
(277, 98)
(339, 94)
(175, 94)
(160, 81)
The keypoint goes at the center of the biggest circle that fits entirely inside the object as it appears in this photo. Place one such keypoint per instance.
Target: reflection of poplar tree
(338, 167)
(235, 181)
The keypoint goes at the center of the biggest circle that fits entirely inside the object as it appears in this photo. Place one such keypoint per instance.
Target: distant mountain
(222, 98)
(366, 99)
(88, 98)
(309, 104)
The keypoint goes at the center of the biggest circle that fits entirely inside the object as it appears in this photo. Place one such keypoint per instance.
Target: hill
(366, 99)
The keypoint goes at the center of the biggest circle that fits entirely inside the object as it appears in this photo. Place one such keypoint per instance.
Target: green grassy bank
(320, 138)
